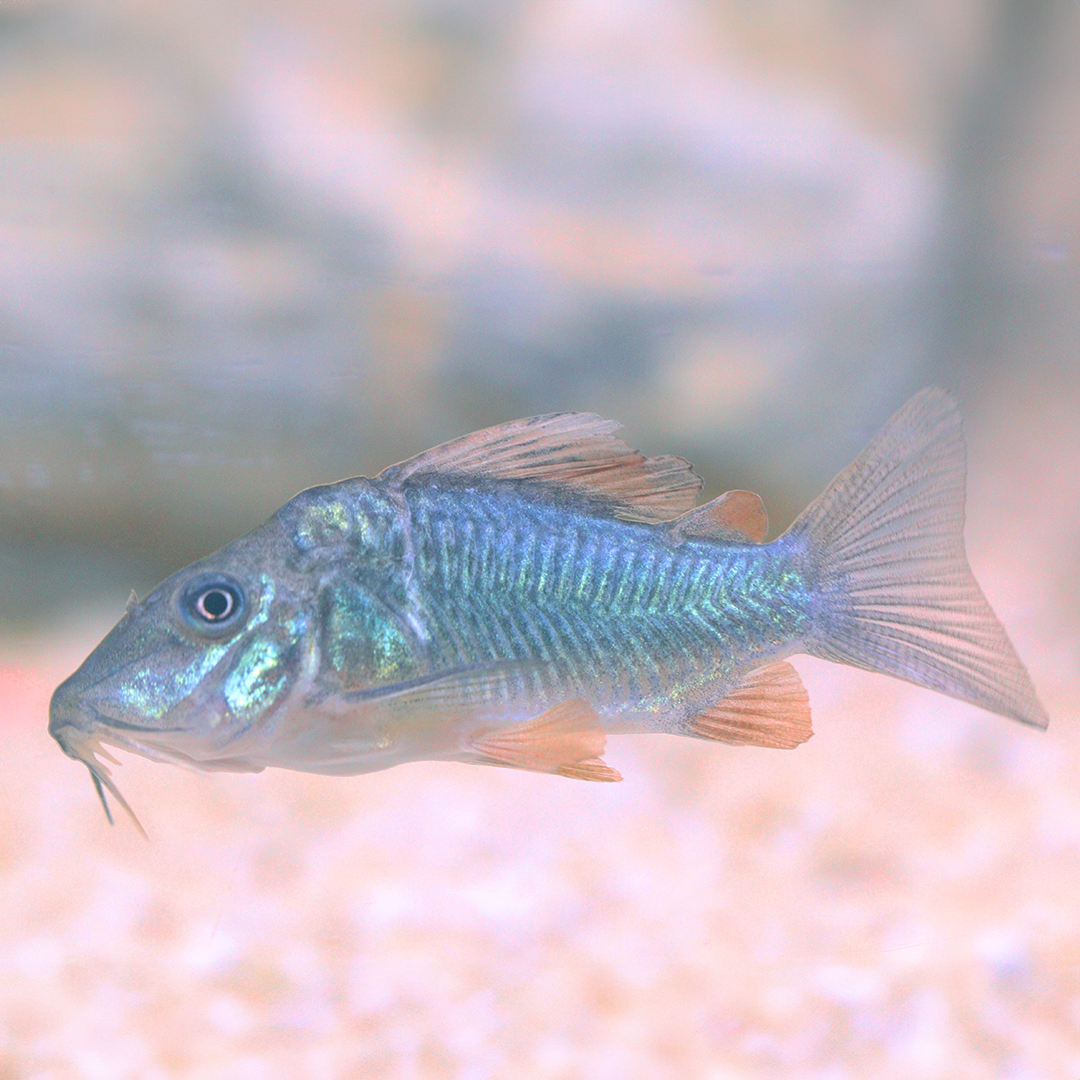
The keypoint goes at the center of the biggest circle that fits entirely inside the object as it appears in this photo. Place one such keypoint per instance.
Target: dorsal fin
(567, 739)
(737, 516)
(575, 450)
(769, 707)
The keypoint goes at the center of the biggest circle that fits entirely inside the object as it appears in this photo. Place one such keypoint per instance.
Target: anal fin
(567, 739)
(769, 707)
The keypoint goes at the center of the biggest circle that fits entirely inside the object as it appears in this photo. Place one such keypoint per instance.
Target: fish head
(194, 672)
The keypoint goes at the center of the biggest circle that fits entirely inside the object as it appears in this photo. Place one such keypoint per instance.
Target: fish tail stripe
(622, 579)
(461, 635)
(894, 592)
(691, 572)
(528, 633)
(528, 563)
(676, 582)
(637, 667)
(656, 593)
(593, 657)
(695, 587)
(546, 635)
(656, 637)
(623, 582)
(572, 650)
(545, 576)
(639, 574)
(468, 567)
(580, 653)
(498, 627)
(586, 571)
(564, 587)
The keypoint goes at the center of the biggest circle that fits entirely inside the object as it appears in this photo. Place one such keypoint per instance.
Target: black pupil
(216, 604)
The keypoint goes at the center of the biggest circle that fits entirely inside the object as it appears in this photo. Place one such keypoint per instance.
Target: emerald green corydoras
(515, 595)
(616, 612)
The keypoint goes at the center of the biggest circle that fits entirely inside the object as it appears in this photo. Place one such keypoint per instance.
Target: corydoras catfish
(515, 595)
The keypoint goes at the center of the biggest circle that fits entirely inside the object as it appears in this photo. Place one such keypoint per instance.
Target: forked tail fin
(897, 594)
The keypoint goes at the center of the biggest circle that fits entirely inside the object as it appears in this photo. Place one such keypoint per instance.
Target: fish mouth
(82, 731)
(79, 740)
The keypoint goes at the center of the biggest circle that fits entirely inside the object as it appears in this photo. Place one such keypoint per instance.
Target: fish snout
(76, 716)
(71, 718)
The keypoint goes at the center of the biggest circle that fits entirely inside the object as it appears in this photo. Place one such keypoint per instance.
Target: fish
(515, 596)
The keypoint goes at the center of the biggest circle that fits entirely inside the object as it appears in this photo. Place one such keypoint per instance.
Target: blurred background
(246, 248)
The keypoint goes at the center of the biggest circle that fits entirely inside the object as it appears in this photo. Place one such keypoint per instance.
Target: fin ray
(769, 707)
(574, 450)
(458, 690)
(899, 596)
(566, 739)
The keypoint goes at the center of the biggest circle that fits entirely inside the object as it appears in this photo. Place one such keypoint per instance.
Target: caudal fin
(898, 595)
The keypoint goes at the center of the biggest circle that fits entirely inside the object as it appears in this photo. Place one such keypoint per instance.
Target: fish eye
(216, 603)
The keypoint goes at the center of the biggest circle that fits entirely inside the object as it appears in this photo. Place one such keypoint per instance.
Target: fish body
(514, 596)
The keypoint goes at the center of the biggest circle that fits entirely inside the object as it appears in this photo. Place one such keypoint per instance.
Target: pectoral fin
(567, 739)
(770, 707)
(457, 691)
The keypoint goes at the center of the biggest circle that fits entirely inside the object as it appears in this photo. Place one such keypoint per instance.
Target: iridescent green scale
(616, 611)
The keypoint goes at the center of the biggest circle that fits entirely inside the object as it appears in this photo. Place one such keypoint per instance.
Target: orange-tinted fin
(567, 739)
(770, 707)
(590, 769)
(574, 450)
(737, 516)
